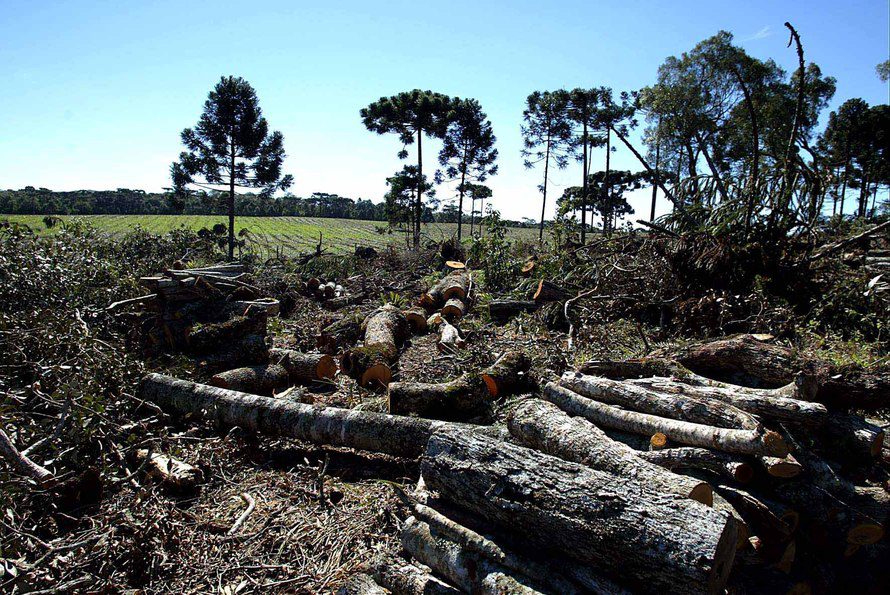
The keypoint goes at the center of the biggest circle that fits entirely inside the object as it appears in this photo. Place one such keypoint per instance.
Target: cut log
(287, 368)
(453, 309)
(363, 430)
(207, 338)
(343, 301)
(502, 310)
(508, 374)
(752, 442)
(401, 578)
(772, 531)
(674, 405)
(785, 467)
(449, 337)
(550, 292)
(417, 318)
(434, 297)
(340, 334)
(361, 584)
(329, 289)
(305, 367)
(767, 405)
(543, 426)
(568, 578)
(701, 458)
(455, 287)
(313, 283)
(385, 331)
(455, 265)
(470, 572)
(458, 399)
(251, 308)
(528, 267)
(852, 437)
(584, 514)
(172, 474)
(658, 441)
(264, 379)
(250, 350)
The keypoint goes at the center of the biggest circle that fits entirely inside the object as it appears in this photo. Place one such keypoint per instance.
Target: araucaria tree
(547, 136)
(468, 155)
(411, 115)
(583, 113)
(231, 146)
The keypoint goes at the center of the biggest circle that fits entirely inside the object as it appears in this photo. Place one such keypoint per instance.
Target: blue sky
(96, 93)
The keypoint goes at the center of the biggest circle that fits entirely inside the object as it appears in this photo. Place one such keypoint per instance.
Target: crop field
(268, 235)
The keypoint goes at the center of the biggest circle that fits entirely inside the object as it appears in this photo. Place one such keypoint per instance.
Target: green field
(289, 235)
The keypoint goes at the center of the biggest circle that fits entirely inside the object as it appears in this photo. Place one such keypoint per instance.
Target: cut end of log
(865, 534)
(455, 292)
(877, 445)
(491, 384)
(775, 443)
(785, 468)
(658, 441)
(377, 375)
(528, 267)
(326, 368)
(455, 265)
(724, 556)
(417, 320)
(743, 472)
(427, 301)
(703, 493)
(453, 310)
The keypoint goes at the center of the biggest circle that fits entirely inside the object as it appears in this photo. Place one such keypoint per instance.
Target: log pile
(213, 314)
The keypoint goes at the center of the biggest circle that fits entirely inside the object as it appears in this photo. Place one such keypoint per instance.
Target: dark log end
(377, 375)
(703, 493)
(865, 533)
(326, 368)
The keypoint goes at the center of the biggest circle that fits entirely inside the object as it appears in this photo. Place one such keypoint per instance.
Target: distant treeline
(124, 201)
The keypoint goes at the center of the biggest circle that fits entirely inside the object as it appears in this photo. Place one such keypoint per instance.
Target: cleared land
(290, 235)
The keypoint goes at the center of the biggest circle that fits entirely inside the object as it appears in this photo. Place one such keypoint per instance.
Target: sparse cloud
(764, 32)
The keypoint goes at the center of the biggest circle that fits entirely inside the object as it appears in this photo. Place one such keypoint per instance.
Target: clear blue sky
(96, 93)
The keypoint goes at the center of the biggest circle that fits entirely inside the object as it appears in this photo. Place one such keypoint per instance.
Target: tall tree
(583, 113)
(231, 145)
(468, 155)
(401, 198)
(547, 136)
(411, 115)
(843, 139)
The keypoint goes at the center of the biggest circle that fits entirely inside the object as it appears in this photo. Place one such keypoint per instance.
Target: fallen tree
(508, 374)
(754, 442)
(460, 398)
(575, 511)
(290, 367)
(543, 426)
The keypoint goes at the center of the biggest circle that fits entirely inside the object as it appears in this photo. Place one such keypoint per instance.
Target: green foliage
(231, 146)
(492, 253)
(396, 299)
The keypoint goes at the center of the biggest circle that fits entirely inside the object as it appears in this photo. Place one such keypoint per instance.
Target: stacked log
(212, 313)
(385, 330)
(328, 291)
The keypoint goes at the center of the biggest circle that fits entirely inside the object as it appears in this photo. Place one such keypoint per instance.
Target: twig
(25, 465)
(659, 228)
(131, 301)
(251, 504)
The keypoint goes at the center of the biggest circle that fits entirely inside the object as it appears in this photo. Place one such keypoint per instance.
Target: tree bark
(769, 405)
(361, 584)
(468, 571)
(417, 320)
(700, 458)
(660, 403)
(502, 310)
(543, 426)
(585, 514)
(249, 350)
(340, 334)
(455, 286)
(208, 338)
(754, 442)
(851, 437)
(173, 474)
(385, 331)
(460, 398)
(401, 578)
(550, 292)
(377, 432)
(508, 374)
(288, 367)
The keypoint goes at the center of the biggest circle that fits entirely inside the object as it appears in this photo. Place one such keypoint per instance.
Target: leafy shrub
(492, 253)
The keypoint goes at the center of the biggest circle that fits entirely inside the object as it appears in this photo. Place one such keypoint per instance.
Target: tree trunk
(418, 204)
(503, 310)
(769, 405)
(543, 426)
(663, 404)
(753, 442)
(26, 466)
(287, 368)
(232, 201)
(208, 338)
(853, 438)
(508, 374)
(700, 458)
(585, 514)
(455, 286)
(550, 292)
(785, 467)
(544, 200)
(655, 177)
(401, 578)
(340, 334)
(584, 184)
(607, 213)
(385, 331)
(458, 399)
(468, 571)
(248, 350)
(377, 432)
(416, 319)
(568, 579)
